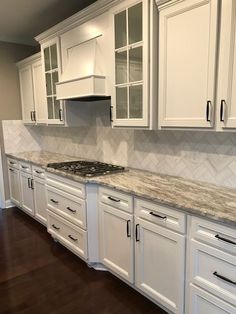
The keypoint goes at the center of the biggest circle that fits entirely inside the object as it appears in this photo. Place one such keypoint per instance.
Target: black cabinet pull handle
(24, 167)
(31, 115)
(111, 115)
(137, 233)
(113, 199)
(71, 210)
(224, 278)
(53, 201)
(208, 107)
(35, 116)
(29, 183)
(55, 227)
(32, 184)
(72, 238)
(222, 107)
(158, 216)
(39, 172)
(60, 115)
(128, 229)
(11, 169)
(12, 163)
(224, 239)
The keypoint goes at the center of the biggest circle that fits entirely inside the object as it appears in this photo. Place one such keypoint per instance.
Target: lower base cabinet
(202, 302)
(14, 184)
(27, 194)
(71, 236)
(116, 241)
(40, 201)
(160, 264)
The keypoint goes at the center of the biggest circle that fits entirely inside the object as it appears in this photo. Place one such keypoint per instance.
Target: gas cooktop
(86, 168)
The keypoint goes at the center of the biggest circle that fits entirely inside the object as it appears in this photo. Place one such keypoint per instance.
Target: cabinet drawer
(214, 234)
(38, 172)
(201, 302)
(213, 270)
(13, 163)
(68, 206)
(69, 186)
(68, 234)
(161, 215)
(25, 166)
(116, 199)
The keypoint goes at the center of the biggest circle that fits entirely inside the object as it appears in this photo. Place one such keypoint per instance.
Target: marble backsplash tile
(204, 156)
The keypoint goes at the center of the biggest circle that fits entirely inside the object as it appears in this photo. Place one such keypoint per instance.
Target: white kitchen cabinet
(133, 63)
(160, 264)
(226, 96)
(52, 70)
(39, 191)
(32, 90)
(188, 32)
(116, 241)
(202, 302)
(14, 183)
(211, 268)
(26, 91)
(27, 195)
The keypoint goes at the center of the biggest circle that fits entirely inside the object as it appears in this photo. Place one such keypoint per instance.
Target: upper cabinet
(187, 63)
(133, 48)
(52, 70)
(226, 95)
(197, 64)
(33, 96)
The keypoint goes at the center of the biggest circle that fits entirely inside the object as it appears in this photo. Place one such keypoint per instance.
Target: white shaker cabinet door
(14, 183)
(40, 200)
(26, 193)
(159, 264)
(226, 99)
(27, 94)
(116, 241)
(187, 63)
(39, 93)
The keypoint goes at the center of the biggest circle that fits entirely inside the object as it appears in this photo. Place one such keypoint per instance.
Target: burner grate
(86, 168)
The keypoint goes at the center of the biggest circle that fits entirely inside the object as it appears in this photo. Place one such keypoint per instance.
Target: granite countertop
(207, 200)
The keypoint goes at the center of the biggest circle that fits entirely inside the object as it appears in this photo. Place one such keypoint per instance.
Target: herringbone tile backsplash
(200, 155)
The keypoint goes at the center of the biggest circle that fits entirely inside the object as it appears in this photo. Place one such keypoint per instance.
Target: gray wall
(10, 106)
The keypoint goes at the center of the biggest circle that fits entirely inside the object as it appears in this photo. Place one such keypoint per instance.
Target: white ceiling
(22, 20)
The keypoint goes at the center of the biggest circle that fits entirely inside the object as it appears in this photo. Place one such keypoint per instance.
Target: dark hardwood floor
(39, 276)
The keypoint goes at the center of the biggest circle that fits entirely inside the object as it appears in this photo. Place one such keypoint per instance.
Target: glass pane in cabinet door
(121, 103)
(121, 67)
(48, 84)
(135, 23)
(56, 108)
(136, 64)
(120, 30)
(54, 81)
(50, 107)
(54, 62)
(47, 59)
(136, 102)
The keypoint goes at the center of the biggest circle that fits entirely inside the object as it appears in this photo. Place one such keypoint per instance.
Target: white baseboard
(9, 204)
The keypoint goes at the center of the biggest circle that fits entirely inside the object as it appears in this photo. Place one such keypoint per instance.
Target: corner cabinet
(32, 90)
(133, 99)
(52, 69)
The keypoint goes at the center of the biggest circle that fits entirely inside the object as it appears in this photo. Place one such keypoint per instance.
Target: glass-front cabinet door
(52, 72)
(131, 58)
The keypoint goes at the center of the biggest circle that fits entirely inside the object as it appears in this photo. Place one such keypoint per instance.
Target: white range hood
(82, 76)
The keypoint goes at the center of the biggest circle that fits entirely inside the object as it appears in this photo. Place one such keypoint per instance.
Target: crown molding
(32, 58)
(90, 12)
